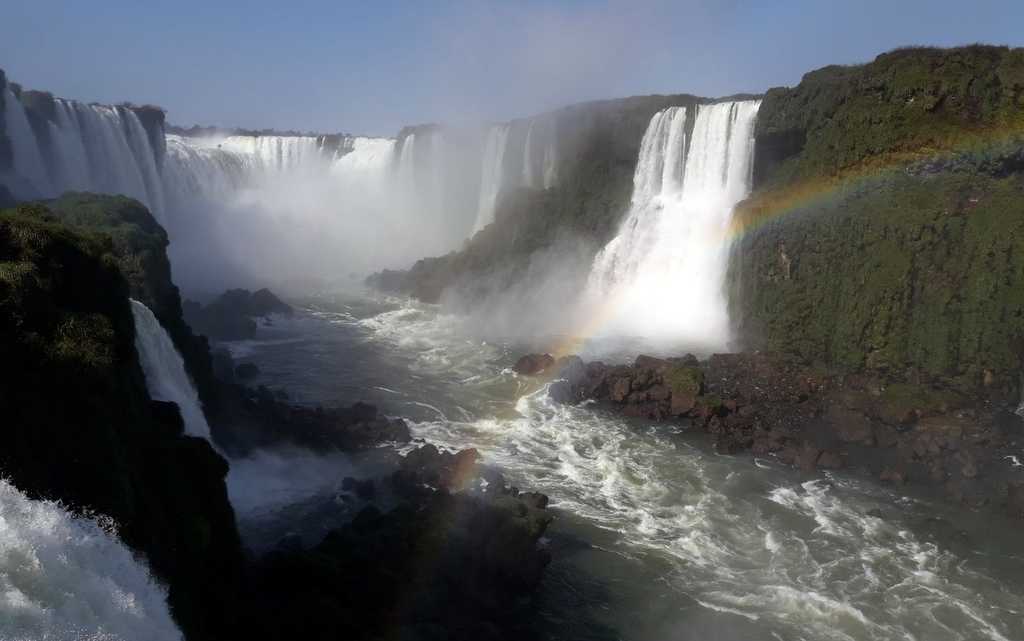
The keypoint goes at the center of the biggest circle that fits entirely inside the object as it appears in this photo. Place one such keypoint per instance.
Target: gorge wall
(80, 427)
(886, 232)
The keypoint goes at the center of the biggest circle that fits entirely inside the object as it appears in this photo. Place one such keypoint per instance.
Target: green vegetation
(906, 104)
(905, 274)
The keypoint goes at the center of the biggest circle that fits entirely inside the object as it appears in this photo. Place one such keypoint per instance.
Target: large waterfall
(65, 577)
(164, 368)
(662, 276)
(279, 210)
(85, 147)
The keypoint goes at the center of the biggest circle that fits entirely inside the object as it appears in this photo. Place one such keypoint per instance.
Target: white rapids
(64, 577)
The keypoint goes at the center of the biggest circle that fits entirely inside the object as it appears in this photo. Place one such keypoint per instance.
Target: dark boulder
(533, 364)
(246, 371)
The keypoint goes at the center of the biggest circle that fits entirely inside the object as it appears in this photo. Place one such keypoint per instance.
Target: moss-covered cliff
(78, 424)
(887, 230)
(905, 105)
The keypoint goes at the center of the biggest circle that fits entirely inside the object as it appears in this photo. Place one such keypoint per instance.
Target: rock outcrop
(234, 314)
(458, 559)
(776, 406)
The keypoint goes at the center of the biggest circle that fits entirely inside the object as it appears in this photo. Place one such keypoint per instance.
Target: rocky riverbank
(770, 405)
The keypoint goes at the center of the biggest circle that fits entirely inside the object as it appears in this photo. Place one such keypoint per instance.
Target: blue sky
(370, 67)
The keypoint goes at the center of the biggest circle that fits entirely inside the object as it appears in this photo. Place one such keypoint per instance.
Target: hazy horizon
(370, 70)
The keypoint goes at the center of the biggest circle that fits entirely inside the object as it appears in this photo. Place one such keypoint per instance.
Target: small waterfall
(529, 179)
(542, 174)
(492, 175)
(661, 277)
(550, 164)
(63, 577)
(164, 368)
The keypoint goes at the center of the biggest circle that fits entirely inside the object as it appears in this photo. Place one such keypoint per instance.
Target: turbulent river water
(656, 536)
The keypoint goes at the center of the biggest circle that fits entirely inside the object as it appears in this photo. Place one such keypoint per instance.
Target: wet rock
(619, 391)
(246, 371)
(685, 384)
(829, 460)
(533, 364)
(890, 475)
(433, 469)
(223, 365)
(1015, 498)
(807, 459)
(850, 426)
(362, 488)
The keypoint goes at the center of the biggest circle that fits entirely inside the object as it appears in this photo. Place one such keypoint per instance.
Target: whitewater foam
(66, 577)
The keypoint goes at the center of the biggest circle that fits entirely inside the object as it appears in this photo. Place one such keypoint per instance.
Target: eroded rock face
(772, 405)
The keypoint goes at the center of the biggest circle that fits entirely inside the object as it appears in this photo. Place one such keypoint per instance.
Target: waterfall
(493, 172)
(550, 163)
(90, 147)
(164, 368)
(28, 159)
(64, 577)
(367, 155)
(279, 153)
(546, 174)
(529, 179)
(662, 276)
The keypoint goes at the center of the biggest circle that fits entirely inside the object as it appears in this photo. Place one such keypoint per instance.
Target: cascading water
(28, 160)
(367, 155)
(164, 368)
(544, 173)
(661, 277)
(64, 577)
(492, 174)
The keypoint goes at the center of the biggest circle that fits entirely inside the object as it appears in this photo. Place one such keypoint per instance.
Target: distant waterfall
(662, 276)
(28, 159)
(65, 577)
(493, 173)
(164, 368)
(540, 169)
(87, 147)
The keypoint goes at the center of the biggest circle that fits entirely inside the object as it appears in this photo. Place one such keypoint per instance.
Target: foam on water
(64, 577)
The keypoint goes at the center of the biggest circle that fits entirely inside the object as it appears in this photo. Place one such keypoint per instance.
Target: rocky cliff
(887, 230)
(79, 426)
